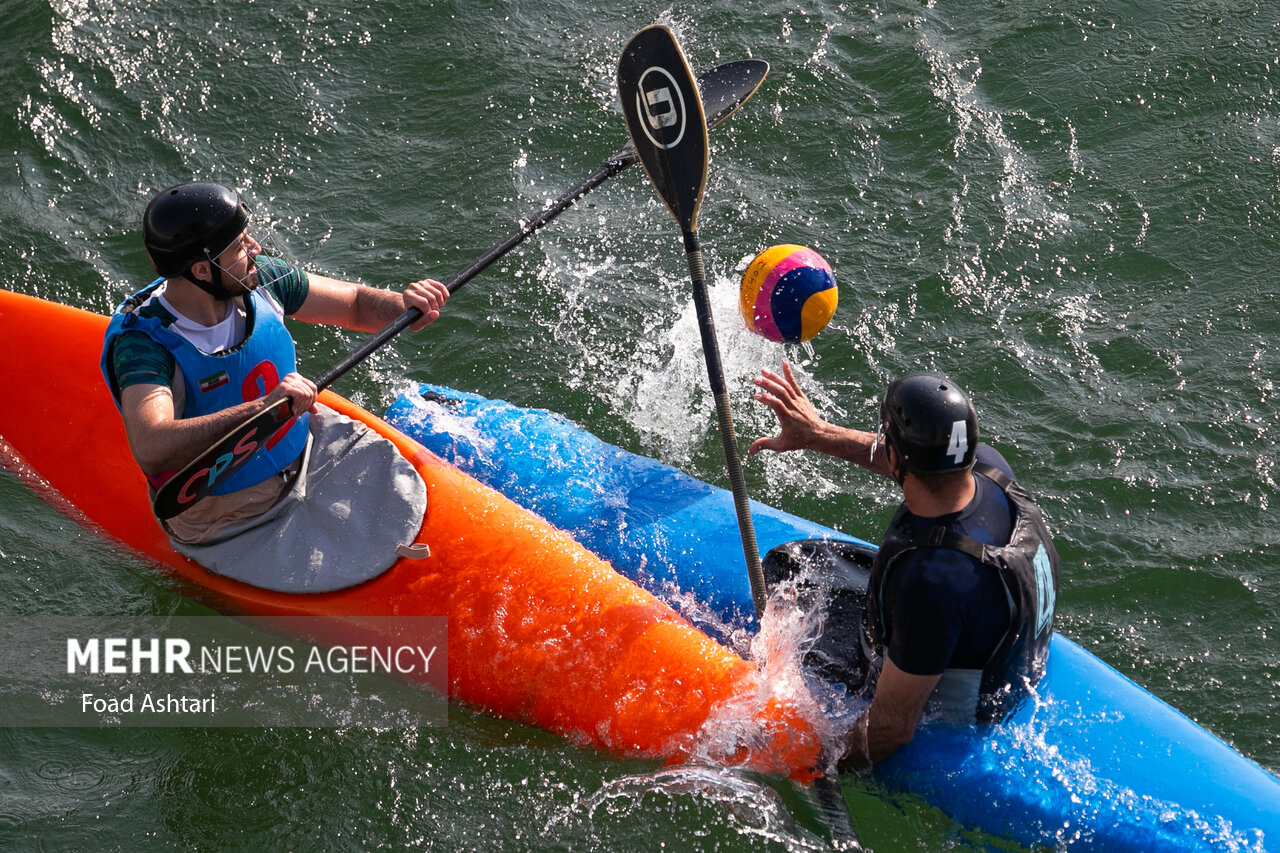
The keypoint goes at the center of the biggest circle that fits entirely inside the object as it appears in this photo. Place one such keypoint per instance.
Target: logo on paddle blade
(660, 103)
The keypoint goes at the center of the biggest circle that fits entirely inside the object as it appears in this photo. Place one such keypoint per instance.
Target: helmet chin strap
(897, 465)
(900, 473)
(218, 288)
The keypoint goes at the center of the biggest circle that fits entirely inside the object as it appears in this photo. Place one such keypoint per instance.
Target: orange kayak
(540, 630)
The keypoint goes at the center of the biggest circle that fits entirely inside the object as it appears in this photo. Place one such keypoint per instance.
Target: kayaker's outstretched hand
(802, 428)
(428, 296)
(798, 420)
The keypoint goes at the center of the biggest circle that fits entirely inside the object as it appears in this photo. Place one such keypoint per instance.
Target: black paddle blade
(727, 87)
(664, 117)
(216, 465)
(724, 89)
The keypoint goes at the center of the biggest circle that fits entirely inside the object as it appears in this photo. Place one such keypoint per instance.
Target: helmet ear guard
(191, 222)
(930, 423)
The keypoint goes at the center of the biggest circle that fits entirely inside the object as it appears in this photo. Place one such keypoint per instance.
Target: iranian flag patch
(217, 380)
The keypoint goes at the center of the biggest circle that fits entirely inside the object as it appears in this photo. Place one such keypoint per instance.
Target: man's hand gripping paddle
(725, 88)
(668, 128)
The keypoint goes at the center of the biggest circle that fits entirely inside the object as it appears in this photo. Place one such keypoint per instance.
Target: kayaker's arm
(367, 309)
(802, 428)
(162, 443)
(890, 723)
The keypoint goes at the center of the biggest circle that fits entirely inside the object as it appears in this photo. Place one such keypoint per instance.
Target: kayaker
(960, 605)
(205, 347)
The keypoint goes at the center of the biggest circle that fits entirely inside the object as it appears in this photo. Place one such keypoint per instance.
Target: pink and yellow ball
(788, 294)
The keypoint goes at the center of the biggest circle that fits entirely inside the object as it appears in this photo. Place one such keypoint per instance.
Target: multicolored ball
(788, 294)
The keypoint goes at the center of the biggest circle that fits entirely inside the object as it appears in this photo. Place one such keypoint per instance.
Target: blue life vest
(1028, 570)
(214, 382)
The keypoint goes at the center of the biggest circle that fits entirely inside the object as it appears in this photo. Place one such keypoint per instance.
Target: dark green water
(1069, 207)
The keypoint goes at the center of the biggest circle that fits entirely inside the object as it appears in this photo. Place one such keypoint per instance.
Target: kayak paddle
(725, 88)
(669, 130)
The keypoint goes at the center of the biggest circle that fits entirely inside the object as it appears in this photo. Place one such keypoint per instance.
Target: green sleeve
(287, 283)
(139, 360)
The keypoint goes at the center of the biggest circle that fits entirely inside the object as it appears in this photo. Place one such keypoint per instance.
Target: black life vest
(1027, 567)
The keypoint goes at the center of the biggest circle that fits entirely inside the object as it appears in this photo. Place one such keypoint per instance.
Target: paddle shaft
(728, 436)
(827, 793)
(606, 170)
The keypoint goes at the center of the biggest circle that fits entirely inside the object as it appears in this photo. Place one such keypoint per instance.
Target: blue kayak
(1093, 762)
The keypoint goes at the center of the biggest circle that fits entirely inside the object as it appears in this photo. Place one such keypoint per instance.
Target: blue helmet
(930, 422)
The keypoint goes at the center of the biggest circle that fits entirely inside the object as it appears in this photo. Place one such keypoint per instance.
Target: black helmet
(930, 422)
(191, 222)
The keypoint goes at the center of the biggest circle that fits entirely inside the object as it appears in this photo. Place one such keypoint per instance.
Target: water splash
(470, 442)
(792, 622)
(657, 375)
